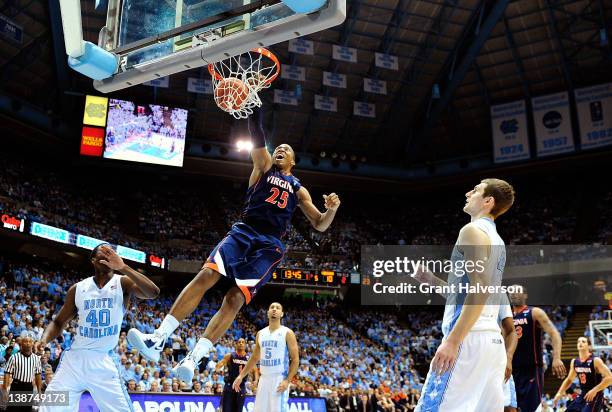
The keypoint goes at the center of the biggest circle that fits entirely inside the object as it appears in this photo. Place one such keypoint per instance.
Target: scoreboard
(305, 277)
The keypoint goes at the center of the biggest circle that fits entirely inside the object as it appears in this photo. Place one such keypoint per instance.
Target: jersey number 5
(282, 202)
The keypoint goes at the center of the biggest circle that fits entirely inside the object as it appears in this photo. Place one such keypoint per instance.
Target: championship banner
(202, 86)
(301, 46)
(293, 72)
(375, 86)
(334, 80)
(364, 109)
(92, 141)
(329, 104)
(161, 82)
(386, 61)
(174, 402)
(346, 54)
(553, 124)
(594, 106)
(510, 135)
(285, 97)
(95, 111)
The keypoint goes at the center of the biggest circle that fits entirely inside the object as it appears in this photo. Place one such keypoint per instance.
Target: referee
(21, 370)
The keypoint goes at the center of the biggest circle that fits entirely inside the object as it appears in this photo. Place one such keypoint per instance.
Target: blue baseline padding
(305, 6)
(95, 63)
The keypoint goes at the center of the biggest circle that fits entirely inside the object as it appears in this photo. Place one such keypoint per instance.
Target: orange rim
(264, 52)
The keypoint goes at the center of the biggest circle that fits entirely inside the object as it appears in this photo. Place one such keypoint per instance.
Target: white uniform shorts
(268, 399)
(83, 370)
(510, 393)
(474, 383)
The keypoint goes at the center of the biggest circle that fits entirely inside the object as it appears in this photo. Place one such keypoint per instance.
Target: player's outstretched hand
(332, 201)
(558, 368)
(113, 260)
(590, 395)
(236, 384)
(282, 387)
(445, 357)
(556, 400)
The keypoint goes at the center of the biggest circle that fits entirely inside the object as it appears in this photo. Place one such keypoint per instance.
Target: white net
(238, 80)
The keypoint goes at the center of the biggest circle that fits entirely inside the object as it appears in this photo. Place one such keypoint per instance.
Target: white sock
(168, 325)
(202, 349)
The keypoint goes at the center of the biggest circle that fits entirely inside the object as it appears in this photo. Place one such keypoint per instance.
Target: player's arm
(475, 245)
(6, 382)
(294, 356)
(133, 282)
(38, 382)
(565, 384)
(606, 380)
(262, 161)
(510, 341)
(221, 364)
(65, 315)
(542, 318)
(249, 365)
(320, 221)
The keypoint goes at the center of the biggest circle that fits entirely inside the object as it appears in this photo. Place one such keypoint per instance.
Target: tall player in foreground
(248, 254)
(528, 362)
(99, 302)
(593, 377)
(467, 371)
(278, 365)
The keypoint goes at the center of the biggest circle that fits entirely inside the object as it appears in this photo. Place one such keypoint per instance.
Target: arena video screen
(145, 133)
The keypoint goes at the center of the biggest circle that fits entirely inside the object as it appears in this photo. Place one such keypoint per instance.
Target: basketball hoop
(238, 80)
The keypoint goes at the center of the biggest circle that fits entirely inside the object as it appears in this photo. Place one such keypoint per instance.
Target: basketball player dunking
(593, 377)
(278, 365)
(467, 371)
(233, 401)
(528, 361)
(248, 254)
(99, 302)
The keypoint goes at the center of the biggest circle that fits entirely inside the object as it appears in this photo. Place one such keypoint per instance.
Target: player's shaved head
(276, 303)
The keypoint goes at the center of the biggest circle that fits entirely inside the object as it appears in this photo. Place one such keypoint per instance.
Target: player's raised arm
(320, 221)
(606, 380)
(134, 282)
(542, 318)
(249, 365)
(65, 315)
(294, 357)
(565, 384)
(262, 161)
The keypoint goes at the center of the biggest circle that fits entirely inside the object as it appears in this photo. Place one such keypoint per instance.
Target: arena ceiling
(478, 52)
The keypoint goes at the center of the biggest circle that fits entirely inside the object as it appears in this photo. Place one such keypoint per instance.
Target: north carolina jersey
(528, 352)
(274, 354)
(488, 320)
(100, 314)
(271, 201)
(588, 377)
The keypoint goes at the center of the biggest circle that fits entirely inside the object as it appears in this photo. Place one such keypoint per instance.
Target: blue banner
(173, 402)
(50, 232)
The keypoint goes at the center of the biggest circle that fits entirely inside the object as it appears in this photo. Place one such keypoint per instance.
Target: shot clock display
(310, 277)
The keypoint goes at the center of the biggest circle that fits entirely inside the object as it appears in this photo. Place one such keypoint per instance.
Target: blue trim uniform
(528, 364)
(252, 248)
(588, 378)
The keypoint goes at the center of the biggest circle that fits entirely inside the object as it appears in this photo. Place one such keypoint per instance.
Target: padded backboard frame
(600, 330)
(207, 47)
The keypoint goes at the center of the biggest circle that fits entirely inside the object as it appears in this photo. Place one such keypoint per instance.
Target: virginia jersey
(529, 348)
(100, 314)
(588, 377)
(234, 367)
(274, 358)
(488, 320)
(271, 201)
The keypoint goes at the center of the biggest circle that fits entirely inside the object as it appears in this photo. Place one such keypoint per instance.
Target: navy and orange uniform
(252, 248)
(527, 363)
(588, 378)
(234, 401)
